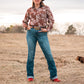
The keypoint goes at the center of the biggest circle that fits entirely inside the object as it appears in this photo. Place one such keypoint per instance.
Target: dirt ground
(65, 49)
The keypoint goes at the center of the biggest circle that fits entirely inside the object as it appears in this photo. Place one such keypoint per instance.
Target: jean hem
(54, 78)
(30, 77)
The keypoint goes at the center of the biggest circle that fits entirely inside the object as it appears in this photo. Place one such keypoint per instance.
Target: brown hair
(41, 4)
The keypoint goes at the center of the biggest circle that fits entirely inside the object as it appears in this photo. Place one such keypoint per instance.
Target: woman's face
(37, 1)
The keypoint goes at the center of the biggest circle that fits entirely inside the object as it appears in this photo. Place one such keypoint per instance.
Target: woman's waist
(37, 23)
(38, 26)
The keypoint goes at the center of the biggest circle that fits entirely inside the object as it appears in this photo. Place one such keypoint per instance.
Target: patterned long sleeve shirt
(39, 17)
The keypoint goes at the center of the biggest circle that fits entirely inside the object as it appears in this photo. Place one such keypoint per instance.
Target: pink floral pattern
(39, 17)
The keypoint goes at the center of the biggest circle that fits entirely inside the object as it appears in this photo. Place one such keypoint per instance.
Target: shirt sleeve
(50, 19)
(26, 18)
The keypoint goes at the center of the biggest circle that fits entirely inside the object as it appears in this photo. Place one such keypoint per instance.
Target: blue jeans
(32, 37)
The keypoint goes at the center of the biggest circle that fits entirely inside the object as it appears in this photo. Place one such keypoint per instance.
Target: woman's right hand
(26, 26)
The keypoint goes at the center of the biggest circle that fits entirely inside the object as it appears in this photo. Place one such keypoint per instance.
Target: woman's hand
(28, 28)
(25, 25)
(43, 30)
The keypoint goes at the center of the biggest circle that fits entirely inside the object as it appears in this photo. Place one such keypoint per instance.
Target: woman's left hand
(43, 30)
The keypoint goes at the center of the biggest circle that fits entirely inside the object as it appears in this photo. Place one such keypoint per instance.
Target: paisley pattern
(39, 17)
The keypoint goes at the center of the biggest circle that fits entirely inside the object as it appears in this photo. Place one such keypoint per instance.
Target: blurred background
(68, 14)
(66, 41)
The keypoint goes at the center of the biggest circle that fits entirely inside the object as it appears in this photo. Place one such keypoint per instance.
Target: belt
(37, 27)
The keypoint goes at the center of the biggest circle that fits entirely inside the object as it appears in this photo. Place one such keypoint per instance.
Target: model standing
(41, 21)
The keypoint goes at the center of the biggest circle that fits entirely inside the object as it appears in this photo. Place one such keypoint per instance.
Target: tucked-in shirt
(39, 17)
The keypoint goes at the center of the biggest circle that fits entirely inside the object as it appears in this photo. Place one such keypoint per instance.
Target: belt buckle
(36, 28)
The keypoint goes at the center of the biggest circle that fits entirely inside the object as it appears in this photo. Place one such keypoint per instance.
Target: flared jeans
(32, 37)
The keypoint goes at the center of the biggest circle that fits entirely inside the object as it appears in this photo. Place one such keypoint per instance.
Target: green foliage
(8, 29)
(14, 29)
(71, 30)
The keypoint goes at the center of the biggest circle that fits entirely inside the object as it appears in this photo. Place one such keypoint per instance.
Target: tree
(15, 29)
(71, 30)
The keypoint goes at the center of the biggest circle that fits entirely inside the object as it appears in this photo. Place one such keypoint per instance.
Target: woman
(41, 21)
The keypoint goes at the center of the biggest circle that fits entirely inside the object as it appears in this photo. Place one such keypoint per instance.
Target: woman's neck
(37, 5)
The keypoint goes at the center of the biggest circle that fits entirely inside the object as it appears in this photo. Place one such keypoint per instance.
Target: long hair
(41, 4)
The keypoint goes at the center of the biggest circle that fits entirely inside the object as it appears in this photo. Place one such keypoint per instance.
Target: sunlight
(11, 19)
(69, 16)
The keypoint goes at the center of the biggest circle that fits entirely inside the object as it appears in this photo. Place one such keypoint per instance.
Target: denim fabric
(32, 37)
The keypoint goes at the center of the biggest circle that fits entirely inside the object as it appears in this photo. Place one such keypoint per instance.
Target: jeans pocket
(30, 29)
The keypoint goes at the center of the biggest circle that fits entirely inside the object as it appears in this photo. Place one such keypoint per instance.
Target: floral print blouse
(39, 17)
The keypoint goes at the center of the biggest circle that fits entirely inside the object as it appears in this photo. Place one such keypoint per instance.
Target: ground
(65, 49)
